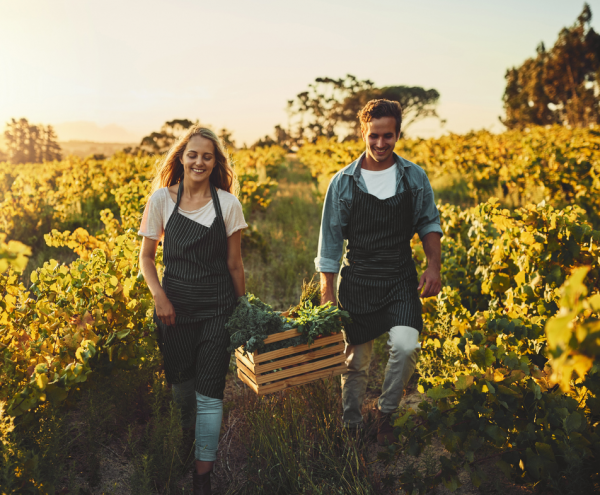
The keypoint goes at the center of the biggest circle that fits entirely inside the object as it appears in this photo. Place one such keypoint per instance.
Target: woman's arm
(164, 308)
(235, 264)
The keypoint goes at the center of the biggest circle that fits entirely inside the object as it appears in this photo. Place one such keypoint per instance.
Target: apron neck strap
(179, 192)
(215, 198)
(409, 192)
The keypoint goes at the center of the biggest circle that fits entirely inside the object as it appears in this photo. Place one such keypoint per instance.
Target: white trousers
(404, 353)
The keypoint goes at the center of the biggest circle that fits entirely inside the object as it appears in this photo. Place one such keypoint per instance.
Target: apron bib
(378, 279)
(196, 278)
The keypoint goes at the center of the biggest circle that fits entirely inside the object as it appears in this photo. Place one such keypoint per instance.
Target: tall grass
(289, 230)
(297, 445)
(160, 456)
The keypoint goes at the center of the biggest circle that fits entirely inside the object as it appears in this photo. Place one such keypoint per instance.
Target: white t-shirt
(380, 183)
(161, 205)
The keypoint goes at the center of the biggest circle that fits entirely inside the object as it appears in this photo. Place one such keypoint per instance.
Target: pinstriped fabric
(198, 284)
(195, 258)
(199, 351)
(379, 282)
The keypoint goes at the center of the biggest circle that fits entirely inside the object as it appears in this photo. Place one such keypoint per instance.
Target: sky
(117, 70)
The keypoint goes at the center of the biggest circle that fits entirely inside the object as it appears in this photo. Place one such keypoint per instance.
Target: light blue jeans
(207, 413)
(404, 354)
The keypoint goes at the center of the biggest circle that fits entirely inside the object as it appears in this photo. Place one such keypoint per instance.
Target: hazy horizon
(114, 72)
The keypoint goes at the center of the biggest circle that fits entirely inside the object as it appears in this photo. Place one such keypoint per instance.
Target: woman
(195, 208)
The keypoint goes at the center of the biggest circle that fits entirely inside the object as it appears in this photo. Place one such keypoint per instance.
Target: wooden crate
(301, 364)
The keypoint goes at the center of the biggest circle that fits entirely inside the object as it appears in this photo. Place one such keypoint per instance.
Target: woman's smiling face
(198, 159)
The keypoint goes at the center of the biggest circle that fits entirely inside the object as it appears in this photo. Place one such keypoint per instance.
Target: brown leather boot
(202, 483)
(385, 429)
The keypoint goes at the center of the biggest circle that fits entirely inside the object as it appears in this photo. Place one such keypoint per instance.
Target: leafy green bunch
(319, 321)
(253, 321)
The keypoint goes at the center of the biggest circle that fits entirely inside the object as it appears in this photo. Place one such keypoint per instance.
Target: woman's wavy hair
(169, 170)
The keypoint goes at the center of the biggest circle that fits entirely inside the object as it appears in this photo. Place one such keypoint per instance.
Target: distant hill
(87, 148)
(84, 148)
(90, 131)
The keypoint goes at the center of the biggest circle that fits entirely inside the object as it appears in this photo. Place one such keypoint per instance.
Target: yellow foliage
(574, 333)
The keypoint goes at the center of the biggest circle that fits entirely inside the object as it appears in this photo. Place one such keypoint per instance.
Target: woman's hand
(164, 309)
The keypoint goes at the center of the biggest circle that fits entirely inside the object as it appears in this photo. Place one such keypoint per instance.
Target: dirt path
(116, 465)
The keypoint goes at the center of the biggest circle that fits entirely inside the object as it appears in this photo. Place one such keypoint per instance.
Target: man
(377, 203)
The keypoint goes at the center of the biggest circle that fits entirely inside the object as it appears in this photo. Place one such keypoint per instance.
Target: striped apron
(198, 284)
(378, 279)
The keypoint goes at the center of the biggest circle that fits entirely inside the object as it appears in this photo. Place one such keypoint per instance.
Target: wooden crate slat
(301, 380)
(267, 356)
(245, 360)
(300, 358)
(246, 371)
(301, 369)
(288, 334)
(248, 381)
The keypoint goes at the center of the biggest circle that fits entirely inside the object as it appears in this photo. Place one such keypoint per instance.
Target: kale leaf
(253, 321)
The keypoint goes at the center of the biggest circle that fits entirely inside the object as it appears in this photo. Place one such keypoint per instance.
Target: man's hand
(431, 279)
(432, 282)
(327, 289)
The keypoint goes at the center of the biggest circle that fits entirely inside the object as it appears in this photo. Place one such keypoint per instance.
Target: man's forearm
(327, 288)
(432, 245)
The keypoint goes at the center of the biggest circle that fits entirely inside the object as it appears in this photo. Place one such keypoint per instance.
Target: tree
(161, 142)
(417, 103)
(28, 143)
(329, 107)
(282, 138)
(559, 86)
(226, 139)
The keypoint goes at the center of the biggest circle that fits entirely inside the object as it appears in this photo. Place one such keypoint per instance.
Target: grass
(297, 445)
(454, 189)
(290, 231)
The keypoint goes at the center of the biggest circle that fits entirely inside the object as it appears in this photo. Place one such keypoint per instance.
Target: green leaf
(41, 368)
(463, 382)
(500, 282)
(404, 418)
(573, 422)
(511, 360)
(496, 433)
(477, 476)
(504, 467)
(545, 451)
(483, 357)
(55, 394)
(123, 333)
(440, 392)
(594, 404)
(452, 483)
(534, 465)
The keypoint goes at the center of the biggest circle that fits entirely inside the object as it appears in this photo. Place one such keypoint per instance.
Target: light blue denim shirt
(338, 201)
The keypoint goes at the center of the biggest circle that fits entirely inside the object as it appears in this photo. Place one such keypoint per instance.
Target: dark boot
(385, 429)
(202, 483)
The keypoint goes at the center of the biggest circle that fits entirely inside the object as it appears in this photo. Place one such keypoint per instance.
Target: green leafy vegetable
(253, 321)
